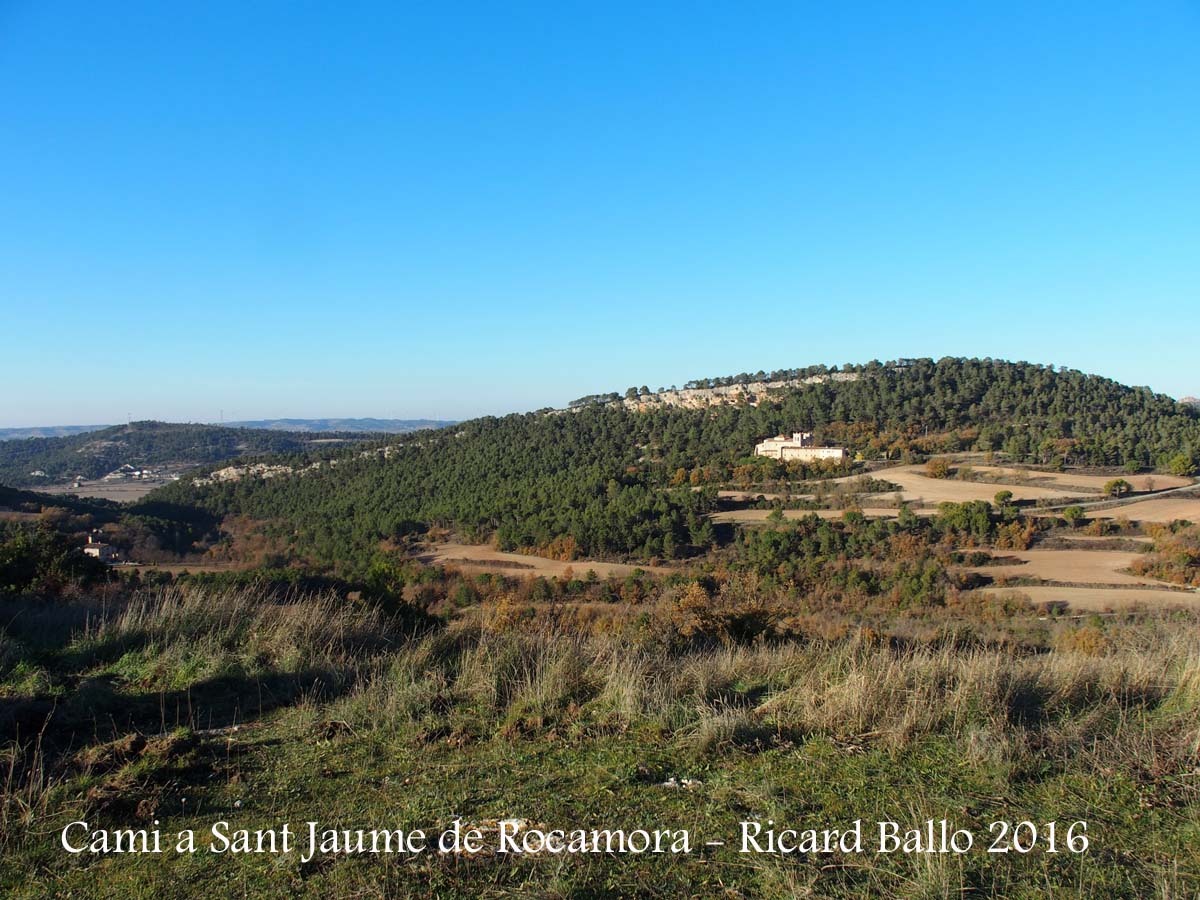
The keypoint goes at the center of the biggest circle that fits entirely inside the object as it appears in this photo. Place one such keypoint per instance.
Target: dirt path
(483, 558)
(759, 516)
(1098, 538)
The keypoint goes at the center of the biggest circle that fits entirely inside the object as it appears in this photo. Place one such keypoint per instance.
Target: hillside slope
(45, 431)
(97, 453)
(611, 480)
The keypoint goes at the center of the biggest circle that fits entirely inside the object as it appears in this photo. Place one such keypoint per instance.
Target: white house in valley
(97, 549)
(799, 446)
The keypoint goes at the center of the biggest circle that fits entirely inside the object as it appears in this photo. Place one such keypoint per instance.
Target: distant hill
(380, 426)
(18, 434)
(46, 460)
(373, 426)
(1191, 401)
(609, 477)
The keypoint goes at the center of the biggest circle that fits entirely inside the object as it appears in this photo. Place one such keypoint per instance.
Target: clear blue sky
(300, 209)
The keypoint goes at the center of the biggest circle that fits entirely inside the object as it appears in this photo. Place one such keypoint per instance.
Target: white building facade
(799, 447)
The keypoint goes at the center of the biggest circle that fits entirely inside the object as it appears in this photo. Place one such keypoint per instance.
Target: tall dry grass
(997, 701)
(198, 632)
(202, 648)
(1137, 703)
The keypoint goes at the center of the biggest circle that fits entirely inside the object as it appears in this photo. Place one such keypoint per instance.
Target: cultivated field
(1071, 480)
(119, 491)
(1102, 599)
(917, 487)
(1094, 579)
(1166, 509)
(1096, 567)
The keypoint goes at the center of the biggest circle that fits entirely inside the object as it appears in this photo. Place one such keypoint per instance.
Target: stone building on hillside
(97, 549)
(799, 446)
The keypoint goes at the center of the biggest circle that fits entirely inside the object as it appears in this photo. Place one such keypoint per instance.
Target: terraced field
(1092, 567)
(1094, 580)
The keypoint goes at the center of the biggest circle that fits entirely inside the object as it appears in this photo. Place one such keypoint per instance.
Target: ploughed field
(1166, 509)
(1103, 567)
(1102, 598)
(127, 491)
(1083, 579)
(919, 488)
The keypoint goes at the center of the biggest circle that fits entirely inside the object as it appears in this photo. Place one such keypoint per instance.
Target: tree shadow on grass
(99, 709)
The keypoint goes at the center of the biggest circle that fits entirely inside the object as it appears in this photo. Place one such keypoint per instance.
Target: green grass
(287, 771)
(309, 712)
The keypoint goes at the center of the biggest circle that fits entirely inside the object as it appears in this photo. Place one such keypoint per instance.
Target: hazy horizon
(236, 420)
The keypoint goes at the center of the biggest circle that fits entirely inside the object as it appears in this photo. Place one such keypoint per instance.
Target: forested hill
(614, 481)
(20, 434)
(138, 444)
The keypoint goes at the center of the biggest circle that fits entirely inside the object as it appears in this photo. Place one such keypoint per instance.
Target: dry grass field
(188, 706)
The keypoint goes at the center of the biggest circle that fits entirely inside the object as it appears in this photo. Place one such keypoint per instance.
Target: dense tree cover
(1175, 555)
(527, 479)
(760, 376)
(42, 559)
(153, 532)
(590, 399)
(97, 453)
(32, 501)
(616, 481)
(1030, 412)
(907, 558)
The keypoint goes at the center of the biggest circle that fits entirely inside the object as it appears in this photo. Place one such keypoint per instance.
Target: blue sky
(300, 209)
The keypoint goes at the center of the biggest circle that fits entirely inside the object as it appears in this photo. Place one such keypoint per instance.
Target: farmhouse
(106, 553)
(799, 446)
